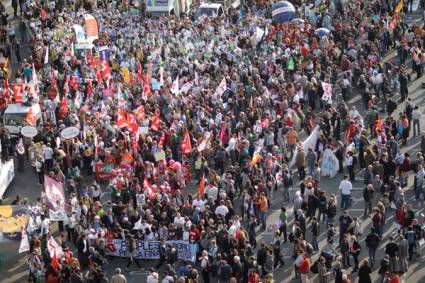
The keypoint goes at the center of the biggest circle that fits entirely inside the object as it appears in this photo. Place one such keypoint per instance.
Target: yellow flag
(399, 6)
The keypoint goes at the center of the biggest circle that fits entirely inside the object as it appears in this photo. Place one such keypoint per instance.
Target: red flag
(134, 145)
(89, 89)
(186, 145)
(74, 82)
(201, 187)
(161, 141)
(132, 123)
(105, 70)
(146, 87)
(140, 112)
(7, 91)
(18, 92)
(148, 187)
(64, 105)
(63, 108)
(30, 118)
(91, 61)
(55, 262)
(139, 74)
(155, 125)
(66, 85)
(378, 124)
(121, 119)
(54, 84)
(265, 123)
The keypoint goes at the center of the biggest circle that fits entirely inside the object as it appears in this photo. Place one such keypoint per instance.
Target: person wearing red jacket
(395, 278)
(304, 268)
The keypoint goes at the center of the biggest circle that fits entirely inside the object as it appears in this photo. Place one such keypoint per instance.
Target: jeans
(263, 219)
(351, 172)
(315, 243)
(346, 259)
(344, 200)
(367, 208)
(416, 126)
(372, 253)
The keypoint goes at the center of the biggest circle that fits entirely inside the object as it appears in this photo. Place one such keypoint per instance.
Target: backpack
(314, 268)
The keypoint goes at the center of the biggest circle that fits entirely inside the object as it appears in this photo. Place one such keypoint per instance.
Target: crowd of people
(165, 105)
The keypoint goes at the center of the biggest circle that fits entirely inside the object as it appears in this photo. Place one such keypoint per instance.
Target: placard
(160, 155)
(29, 131)
(69, 133)
(150, 249)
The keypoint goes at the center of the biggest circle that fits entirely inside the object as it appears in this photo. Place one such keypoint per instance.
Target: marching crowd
(166, 104)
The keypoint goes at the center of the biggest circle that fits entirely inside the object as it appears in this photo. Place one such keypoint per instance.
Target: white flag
(25, 245)
(46, 56)
(175, 86)
(205, 141)
(222, 87)
(327, 92)
(53, 246)
(186, 87)
(161, 76)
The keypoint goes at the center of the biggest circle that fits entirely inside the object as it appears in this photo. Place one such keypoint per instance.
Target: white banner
(327, 92)
(150, 249)
(25, 245)
(330, 164)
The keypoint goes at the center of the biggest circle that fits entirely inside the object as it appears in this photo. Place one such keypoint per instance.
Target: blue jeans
(263, 219)
(315, 243)
(344, 201)
(346, 259)
(372, 252)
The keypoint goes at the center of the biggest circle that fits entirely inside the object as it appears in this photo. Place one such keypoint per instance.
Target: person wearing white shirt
(221, 209)
(416, 117)
(179, 220)
(345, 187)
(354, 113)
(350, 165)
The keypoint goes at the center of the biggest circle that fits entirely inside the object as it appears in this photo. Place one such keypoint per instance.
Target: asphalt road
(25, 185)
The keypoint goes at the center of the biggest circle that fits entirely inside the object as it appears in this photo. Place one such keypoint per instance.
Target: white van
(165, 8)
(14, 117)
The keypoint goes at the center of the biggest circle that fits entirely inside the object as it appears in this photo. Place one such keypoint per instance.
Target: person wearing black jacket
(372, 242)
(262, 257)
(368, 195)
(162, 254)
(391, 249)
(385, 267)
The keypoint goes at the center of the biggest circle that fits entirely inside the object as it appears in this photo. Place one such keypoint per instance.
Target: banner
(55, 197)
(140, 199)
(80, 35)
(92, 29)
(327, 92)
(150, 249)
(24, 245)
(330, 164)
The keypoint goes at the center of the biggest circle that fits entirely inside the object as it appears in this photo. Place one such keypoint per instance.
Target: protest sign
(55, 199)
(150, 249)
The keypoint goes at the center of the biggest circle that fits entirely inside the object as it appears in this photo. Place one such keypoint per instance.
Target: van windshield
(210, 12)
(14, 119)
